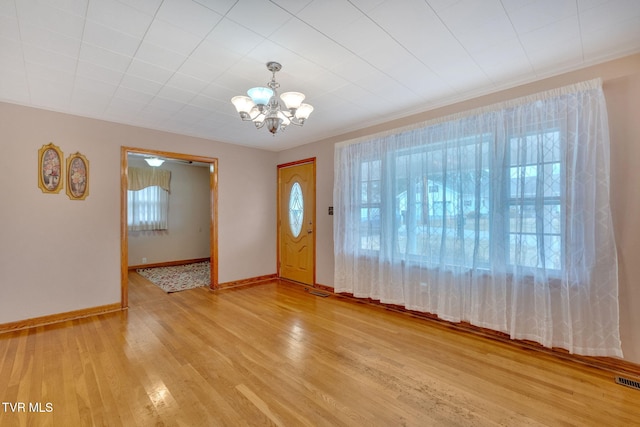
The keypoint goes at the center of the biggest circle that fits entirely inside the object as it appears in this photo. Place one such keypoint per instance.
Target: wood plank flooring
(273, 354)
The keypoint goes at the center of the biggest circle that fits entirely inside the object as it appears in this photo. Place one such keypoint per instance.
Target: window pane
(551, 146)
(522, 219)
(523, 250)
(147, 209)
(544, 251)
(296, 209)
(552, 183)
(552, 220)
(535, 190)
(370, 198)
(370, 228)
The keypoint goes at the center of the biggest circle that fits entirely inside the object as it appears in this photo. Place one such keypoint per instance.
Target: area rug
(179, 277)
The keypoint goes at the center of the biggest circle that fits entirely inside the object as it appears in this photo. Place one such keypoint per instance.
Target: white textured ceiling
(174, 65)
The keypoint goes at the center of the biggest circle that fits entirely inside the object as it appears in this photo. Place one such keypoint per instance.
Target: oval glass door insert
(296, 209)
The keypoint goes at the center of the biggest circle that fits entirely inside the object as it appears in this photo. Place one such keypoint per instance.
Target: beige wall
(621, 82)
(59, 255)
(623, 103)
(189, 216)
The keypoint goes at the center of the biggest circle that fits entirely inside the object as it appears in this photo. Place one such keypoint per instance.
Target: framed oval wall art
(50, 168)
(77, 177)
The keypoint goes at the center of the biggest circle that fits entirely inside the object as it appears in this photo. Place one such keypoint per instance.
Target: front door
(296, 221)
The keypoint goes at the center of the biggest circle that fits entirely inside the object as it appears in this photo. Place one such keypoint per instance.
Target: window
(296, 209)
(441, 202)
(148, 199)
(148, 209)
(499, 217)
(442, 208)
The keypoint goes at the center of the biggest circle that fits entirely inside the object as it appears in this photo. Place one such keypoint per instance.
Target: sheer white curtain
(148, 199)
(499, 217)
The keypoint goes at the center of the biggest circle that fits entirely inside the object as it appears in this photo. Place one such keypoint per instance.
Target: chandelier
(262, 106)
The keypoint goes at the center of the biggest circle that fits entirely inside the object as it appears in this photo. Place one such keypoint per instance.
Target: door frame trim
(124, 232)
(311, 160)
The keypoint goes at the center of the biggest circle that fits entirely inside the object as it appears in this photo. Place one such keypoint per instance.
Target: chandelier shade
(243, 104)
(154, 161)
(263, 107)
(260, 95)
(303, 112)
(292, 99)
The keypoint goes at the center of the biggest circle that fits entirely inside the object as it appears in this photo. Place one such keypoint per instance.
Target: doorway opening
(124, 232)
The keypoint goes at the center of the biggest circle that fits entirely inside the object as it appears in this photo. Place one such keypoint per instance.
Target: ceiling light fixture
(154, 161)
(262, 106)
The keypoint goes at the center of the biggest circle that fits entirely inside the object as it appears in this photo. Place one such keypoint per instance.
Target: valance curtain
(499, 217)
(139, 178)
(148, 199)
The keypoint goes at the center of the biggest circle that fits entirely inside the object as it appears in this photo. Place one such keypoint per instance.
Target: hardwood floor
(273, 354)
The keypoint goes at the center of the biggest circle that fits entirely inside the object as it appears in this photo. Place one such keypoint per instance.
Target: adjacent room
(346, 212)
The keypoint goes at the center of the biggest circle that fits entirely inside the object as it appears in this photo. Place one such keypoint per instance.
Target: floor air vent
(628, 382)
(317, 293)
